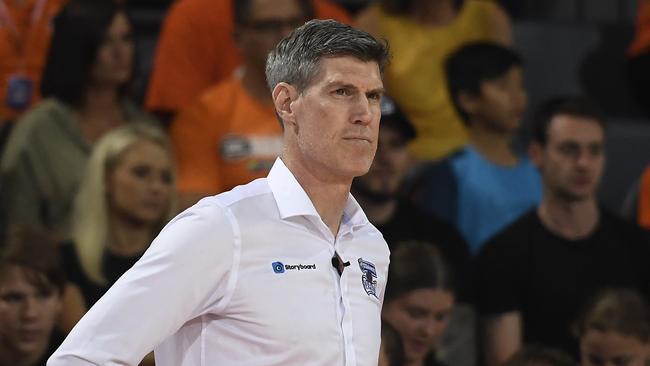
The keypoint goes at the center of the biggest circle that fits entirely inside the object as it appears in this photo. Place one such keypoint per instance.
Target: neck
(492, 144)
(433, 12)
(328, 195)
(100, 112)
(98, 97)
(378, 213)
(570, 220)
(128, 238)
(254, 82)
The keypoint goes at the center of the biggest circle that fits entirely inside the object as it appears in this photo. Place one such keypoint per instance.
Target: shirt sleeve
(20, 193)
(185, 273)
(194, 51)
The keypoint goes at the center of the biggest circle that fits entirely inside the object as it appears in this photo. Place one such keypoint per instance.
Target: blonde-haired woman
(125, 198)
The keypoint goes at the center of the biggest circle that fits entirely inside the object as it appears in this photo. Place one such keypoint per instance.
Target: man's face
(268, 23)
(27, 314)
(611, 349)
(391, 164)
(502, 101)
(573, 159)
(334, 122)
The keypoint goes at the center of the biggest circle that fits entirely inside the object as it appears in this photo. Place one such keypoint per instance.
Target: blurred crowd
(502, 252)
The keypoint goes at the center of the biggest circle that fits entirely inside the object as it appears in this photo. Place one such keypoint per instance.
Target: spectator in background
(25, 31)
(31, 290)
(231, 134)
(615, 330)
(196, 50)
(85, 81)
(421, 35)
(540, 356)
(125, 198)
(486, 186)
(419, 300)
(378, 192)
(536, 275)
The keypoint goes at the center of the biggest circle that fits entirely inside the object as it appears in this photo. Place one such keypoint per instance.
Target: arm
(184, 274)
(502, 337)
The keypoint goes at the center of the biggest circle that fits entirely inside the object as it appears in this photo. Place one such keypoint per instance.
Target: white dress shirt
(244, 278)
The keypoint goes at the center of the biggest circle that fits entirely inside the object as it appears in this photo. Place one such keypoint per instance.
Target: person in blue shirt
(486, 185)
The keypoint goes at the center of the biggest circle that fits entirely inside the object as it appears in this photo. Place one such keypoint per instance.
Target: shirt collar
(292, 200)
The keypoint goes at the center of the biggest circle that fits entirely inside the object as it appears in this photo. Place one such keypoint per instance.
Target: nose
(584, 159)
(364, 112)
(31, 308)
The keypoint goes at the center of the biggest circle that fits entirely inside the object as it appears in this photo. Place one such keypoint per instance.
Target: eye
(374, 96)
(342, 92)
(141, 171)
(13, 298)
(166, 177)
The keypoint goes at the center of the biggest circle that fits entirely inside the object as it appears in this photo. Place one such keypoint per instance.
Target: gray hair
(296, 59)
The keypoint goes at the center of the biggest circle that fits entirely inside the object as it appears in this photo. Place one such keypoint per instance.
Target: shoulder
(512, 240)
(39, 122)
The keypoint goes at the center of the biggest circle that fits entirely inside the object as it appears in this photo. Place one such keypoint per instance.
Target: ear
(284, 95)
(535, 153)
(467, 102)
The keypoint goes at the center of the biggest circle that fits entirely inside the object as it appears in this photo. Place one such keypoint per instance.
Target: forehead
(564, 127)
(145, 150)
(273, 9)
(349, 70)
(428, 298)
(15, 278)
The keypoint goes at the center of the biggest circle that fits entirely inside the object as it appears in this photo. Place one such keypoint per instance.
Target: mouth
(358, 139)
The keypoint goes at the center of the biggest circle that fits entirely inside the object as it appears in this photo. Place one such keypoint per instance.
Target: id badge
(19, 92)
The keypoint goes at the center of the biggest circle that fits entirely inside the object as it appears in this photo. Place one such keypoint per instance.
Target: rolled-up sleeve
(184, 274)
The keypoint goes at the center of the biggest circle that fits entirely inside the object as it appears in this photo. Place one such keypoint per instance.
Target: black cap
(392, 116)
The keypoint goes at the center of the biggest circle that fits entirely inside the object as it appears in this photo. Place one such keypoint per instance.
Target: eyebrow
(380, 90)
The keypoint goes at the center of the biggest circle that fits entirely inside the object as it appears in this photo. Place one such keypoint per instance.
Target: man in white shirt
(286, 270)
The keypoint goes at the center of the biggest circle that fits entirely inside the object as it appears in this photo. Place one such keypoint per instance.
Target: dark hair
(575, 106)
(538, 356)
(472, 65)
(35, 253)
(414, 266)
(621, 310)
(392, 344)
(296, 59)
(242, 8)
(79, 31)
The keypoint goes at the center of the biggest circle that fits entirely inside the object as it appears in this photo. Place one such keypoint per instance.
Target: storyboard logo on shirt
(279, 267)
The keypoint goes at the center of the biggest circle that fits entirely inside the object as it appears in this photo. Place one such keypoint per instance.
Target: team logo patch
(368, 275)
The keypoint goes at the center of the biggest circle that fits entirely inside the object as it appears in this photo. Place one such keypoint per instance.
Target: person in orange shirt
(25, 31)
(231, 134)
(196, 50)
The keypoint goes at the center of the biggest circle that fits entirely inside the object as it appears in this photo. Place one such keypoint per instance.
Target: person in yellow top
(421, 34)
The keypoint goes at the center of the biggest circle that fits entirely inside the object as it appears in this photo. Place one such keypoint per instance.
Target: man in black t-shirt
(400, 221)
(534, 277)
